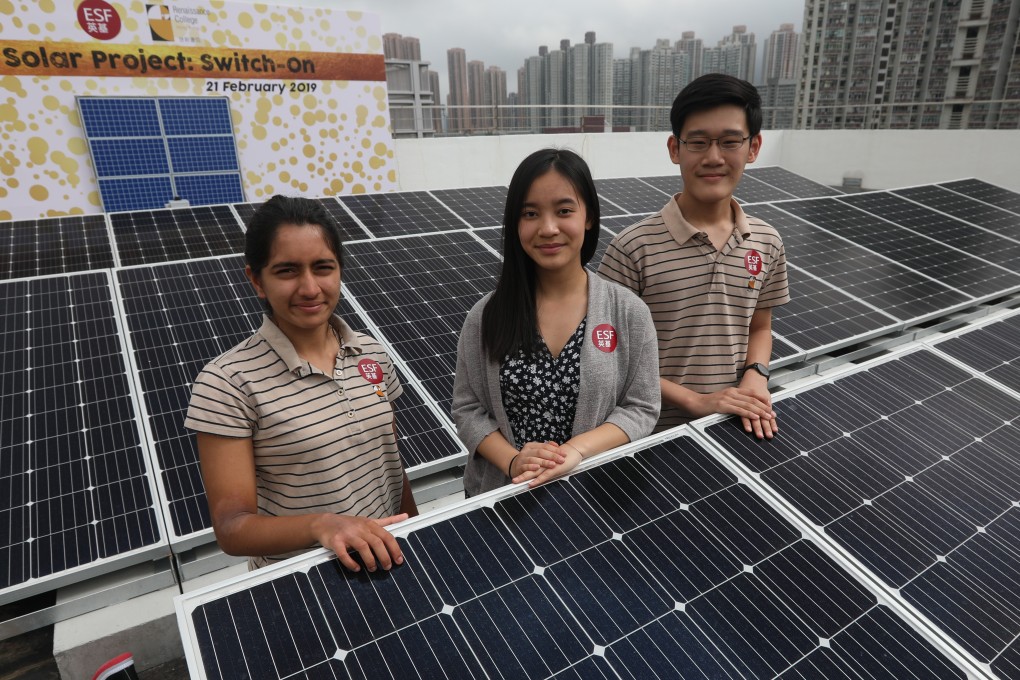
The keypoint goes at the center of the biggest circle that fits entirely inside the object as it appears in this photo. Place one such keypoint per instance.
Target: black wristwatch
(761, 368)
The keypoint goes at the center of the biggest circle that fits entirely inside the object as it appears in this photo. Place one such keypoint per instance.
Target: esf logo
(604, 337)
(99, 19)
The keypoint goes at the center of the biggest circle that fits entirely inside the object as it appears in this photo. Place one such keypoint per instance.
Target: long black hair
(279, 211)
(509, 321)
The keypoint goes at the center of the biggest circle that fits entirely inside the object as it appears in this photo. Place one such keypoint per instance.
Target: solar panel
(668, 184)
(992, 349)
(790, 182)
(417, 291)
(783, 352)
(619, 223)
(56, 245)
(820, 318)
(988, 193)
(994, 219)
(74, 485)
(411, 212)
(958, 270)
(656, 565)
(631, 195)
(478, 206)
(940, 227)
(148, 150)
(751, 190)
(861, 273)
(181, 316)
(910, 467)
(148, 237)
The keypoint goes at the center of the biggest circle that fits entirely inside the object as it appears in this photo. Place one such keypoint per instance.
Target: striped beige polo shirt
(323, 443)
(701, 299)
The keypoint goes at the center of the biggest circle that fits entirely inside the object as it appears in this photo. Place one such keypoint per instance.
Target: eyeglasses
(702, 144)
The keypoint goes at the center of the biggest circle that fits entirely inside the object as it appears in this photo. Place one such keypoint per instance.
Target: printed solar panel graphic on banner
(411, 212)
(994, 219)
(790, 182)
(478, 206)
(953, 268)
(180, 317)
(911, 467)
(149, 237)
(940, 227)
(657, 565)
(992, 349)
(631, 194)
(148, 150)
(988, 193)
(862, 274)
(56, 245)
(417, 291)
(74, 485)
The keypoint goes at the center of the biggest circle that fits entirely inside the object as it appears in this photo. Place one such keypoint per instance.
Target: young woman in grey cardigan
(555, 365)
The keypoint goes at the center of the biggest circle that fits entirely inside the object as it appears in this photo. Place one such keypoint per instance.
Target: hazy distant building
(480, 118)
(694, 48)
(781, 53)
(396, 46)
(459, 119)
(494, 95)
(437, 118)
(778, 101)
(909, 64)
(736, 54)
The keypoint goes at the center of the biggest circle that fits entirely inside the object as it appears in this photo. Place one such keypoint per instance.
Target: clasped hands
(538, 462)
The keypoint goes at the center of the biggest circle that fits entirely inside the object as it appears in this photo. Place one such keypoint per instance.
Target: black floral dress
(540, 391)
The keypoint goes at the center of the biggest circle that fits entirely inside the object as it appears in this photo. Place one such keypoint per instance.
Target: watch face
(761, 368)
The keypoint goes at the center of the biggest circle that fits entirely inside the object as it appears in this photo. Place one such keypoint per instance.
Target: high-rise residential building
(481, 118)
(437, 119)
(909, 64)
(495, 95)
(694, 48)
(781, 54)
(533, 91)
(396, 46)
(622, 113)
(736, 54)
(458, 118)
(601, 74)
(579, 80)
(778, 100)
(554, 91)
(575, 81)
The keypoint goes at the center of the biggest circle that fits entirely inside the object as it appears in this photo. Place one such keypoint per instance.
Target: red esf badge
(752, 263)
(604, 337)
(370, 370)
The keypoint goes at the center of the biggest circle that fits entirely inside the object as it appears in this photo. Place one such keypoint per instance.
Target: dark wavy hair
(282, 210)
(712, 90)
(509, 321)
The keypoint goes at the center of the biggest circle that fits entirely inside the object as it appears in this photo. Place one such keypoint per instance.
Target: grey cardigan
(619, 386)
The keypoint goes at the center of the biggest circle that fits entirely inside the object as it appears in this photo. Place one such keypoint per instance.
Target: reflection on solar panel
(180, 316)
(988, 193)
(478, 206)
(911, 467)
(818, 316)
(751, 190)
(660, 565)
(145, 237)
(631, 194)
(411, 212)
(939, 227)
(790, 182)
(991, 218)
(893, 288)
(74, 485)
(417, 292)
(148, 150)
(57, 245)
(993, 350)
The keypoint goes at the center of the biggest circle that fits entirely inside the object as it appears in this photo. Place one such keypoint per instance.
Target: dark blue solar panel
(139, 193)
(124, 157)
(114, 117)
(204, 154)
(196, 116)
(210, 189)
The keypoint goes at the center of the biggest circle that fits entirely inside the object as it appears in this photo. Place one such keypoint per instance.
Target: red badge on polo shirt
(370, 370)
(604, 336)
(752, 262)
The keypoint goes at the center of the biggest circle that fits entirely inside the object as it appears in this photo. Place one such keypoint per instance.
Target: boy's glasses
(702, 144)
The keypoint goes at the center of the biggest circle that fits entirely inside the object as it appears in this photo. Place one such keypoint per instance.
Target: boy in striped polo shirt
(709, 273)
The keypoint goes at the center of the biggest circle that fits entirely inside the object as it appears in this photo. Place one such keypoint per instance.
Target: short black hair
(509, 322)
(712, 90)
(281, 210)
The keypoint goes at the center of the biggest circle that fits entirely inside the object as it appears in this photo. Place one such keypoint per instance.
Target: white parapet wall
(883, 159)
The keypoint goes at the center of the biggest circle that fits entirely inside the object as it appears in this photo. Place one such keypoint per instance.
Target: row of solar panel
(149, 150)
(875, 537)
(414, 293)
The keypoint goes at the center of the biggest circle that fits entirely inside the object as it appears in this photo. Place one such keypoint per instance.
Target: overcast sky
(504, 33)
